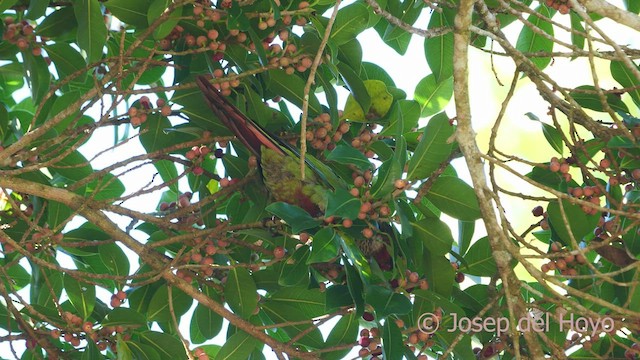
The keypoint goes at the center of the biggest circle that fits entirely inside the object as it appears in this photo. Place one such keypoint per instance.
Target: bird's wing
(253, 136)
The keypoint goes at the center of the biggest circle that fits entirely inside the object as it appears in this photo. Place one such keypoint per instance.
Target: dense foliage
(378, 272)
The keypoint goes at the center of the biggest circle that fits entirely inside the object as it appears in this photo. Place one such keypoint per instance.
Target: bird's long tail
(252, 135)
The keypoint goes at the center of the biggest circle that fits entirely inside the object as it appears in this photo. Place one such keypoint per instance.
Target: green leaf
(37, 9)
(208, 322)
(433, 96)
(295, 271)
(359, 98)
(114, 259)
(345, 154)
(390, 170)
(465, 234)
(432, 149)
(591, 100)
(57, 214)
(284, 313)
(356, 287)
(4, 5)
(17, 276)
(295, 216)
(439, 273)
(57, 24)
(168, 346)
(350, 21)
(39, 76)
(156, 138)
(554, 137)
(130, 12)
(310, 301)
(291, 87)
(81, 295)
(530, 41)
(159, 305)
(479, 259)
(455, 198)
(576, 26)
(123, 316)
(344, 332)
(406, 115)
(324, 247)
(341, 203)
(92, 31)
(91, 352)
(156, 9)
(67, 60)
(632, 6)
(439, 49)
(392, 344)
(580, 224)
(627, 79)
(167, 170)
(386, 302)
(435, 235)
(240, 292)
(239, 346)
(394, 36)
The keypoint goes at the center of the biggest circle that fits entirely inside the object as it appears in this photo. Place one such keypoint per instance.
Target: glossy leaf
(341, 203)
(531, 41)
(344, 332)
(627, 79)
(439, 49)
(167, 346)
(455, 198)
(392, 343)
(159, 305)
(114, 259)
(37, 8)
(155, 10)
(292, 88)
(295, 216)
(284, 313)
(435, 235)
(92, 31)
(81, 295)
(345, 154)
(123, 316)
(433, 149)
(579, 223)
(479, 259)
(130, 12)
(350, 21)
(240, 292)
(239, 346)
(386, 302)
(59, 23)
(433, 96)
(586, 97)
(325, 246)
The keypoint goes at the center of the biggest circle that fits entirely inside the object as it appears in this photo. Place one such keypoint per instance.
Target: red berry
(367, 316)
(279, 252)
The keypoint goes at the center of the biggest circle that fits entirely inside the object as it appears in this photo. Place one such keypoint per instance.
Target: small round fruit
(367, 316)
(279, 252)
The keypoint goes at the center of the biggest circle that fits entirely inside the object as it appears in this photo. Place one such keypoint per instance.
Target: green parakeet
(280, 165)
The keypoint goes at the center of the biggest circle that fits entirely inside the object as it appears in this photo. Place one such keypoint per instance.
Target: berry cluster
(633, 352)
(321, 134)
(365, 137)
(562, 166)
(370, 341)
(202, 255)
(587, 193)
(138, 116)
(118, 298)
(22, 35)
(567, 264)
(563, 6)
(104, 337)
(197, 154)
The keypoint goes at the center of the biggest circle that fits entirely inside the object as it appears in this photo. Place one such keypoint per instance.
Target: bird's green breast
(281, 176)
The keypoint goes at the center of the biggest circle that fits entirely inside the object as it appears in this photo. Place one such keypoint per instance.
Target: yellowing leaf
(381, 100)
